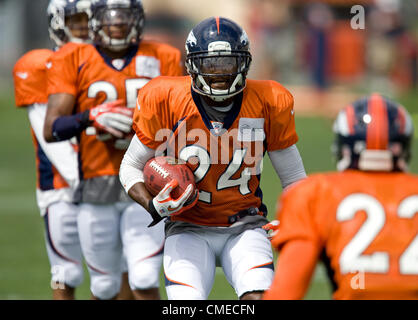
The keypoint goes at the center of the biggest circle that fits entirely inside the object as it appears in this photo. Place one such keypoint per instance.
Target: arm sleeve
(67, 127)
(61, 154)
(62, 74)
(288, 165)
(133, 162)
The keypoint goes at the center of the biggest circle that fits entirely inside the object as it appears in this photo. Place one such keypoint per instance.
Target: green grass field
(24, 267)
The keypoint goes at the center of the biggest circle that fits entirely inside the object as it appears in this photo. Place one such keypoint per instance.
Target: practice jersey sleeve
(172, 64)
(62, 71)
(280, 126)
(296, 213)
(151, 116)
(29, 76)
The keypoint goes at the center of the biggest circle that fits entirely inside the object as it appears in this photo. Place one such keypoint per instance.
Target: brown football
(159, 171)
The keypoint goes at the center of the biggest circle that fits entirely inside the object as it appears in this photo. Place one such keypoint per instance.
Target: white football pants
(63, 245)
(109, 231)
(191, 258)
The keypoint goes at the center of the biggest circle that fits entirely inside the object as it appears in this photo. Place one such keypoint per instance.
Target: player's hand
(272, 228)
(112, 117)
(163, 205)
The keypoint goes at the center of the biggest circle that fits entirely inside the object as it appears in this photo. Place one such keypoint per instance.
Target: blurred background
(324, 52)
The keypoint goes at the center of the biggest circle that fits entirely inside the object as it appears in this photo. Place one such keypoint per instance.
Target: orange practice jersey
(367, 225)
(227, 174)
(82, 71)
(30, 83)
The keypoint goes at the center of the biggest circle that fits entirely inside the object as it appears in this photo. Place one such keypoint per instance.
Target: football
(159, 171)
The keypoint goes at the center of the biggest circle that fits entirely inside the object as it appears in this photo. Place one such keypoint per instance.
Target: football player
(56, 164)
(222, 124)
(92, 90)
(362, 220)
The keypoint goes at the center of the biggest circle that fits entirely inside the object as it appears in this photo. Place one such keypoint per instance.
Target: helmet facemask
(218, 58)
(69, 25)
(77, 25)
(117, 28)
(219, 73)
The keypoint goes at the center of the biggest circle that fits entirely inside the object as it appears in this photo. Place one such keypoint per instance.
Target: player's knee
(144, 276)
(254, 295)
(181, 292)
(74, 276)
(105, 287)
(69, 274)
(254, 282)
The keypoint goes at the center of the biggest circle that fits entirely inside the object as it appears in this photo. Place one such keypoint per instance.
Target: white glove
(163, 205)
(112, 117)
(116, 121)
(272, 228)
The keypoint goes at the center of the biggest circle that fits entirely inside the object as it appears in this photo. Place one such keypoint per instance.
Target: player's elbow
(48, 137)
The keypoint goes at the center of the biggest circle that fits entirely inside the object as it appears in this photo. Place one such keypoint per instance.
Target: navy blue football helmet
(106, 14)
(218, 58)
(373, 134)
(58, 12)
